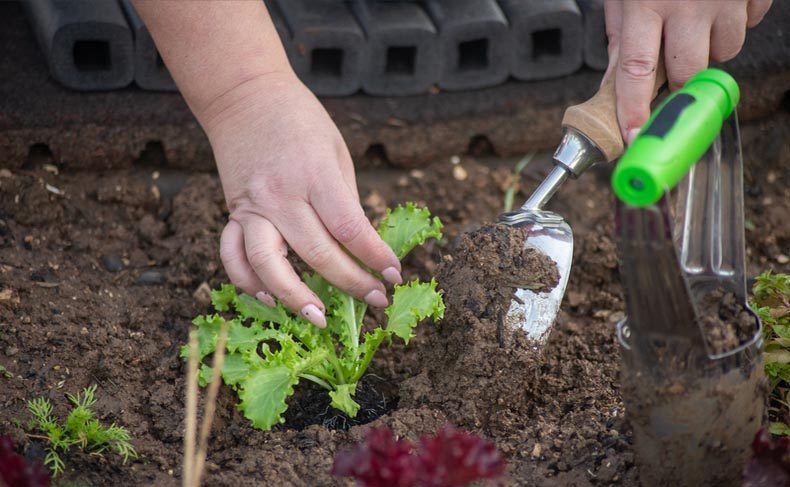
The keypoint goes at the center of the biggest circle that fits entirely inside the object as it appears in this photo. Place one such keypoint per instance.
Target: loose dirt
(101, 274)
(725, 324)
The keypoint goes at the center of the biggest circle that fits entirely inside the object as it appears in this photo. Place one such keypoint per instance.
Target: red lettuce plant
(770, 465)
(15, 471)
(451, 458)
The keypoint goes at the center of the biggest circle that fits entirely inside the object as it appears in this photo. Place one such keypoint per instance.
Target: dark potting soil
(310, 404)
(725, 323)
(557, 416)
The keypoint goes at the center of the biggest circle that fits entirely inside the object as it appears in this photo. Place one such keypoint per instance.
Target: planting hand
(694, 33)
(287, 175)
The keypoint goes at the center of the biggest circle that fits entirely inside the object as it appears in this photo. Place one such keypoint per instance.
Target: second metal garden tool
(591, 134)
(691, 346)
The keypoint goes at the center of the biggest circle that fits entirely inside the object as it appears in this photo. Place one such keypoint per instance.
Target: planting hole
(473, 55)
(400, 60)
(326, 62)
(546, 43)
(93, 55)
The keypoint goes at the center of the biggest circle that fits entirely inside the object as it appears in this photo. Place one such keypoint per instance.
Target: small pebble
(112, 262)
(203, 294)
(11, 351)
(782, 259)
(151, 277)
(459, 173)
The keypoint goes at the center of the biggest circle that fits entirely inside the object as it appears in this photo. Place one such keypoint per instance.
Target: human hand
(693, 32)
(288, 179)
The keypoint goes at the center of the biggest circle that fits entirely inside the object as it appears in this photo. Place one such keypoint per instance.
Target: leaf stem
(368, 357)
(317, 380)
(330, 345)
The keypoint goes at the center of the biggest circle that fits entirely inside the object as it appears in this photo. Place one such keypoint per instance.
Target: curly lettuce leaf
(405, 227)
(263, 393)
(342, 399)
(411, 303)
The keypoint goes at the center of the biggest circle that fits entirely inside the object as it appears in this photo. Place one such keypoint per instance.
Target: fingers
(266, 253)
(728, 33)
(342, 215)
(686, 48)
(234, 259)
(613, 14)
(639, 47)
(318, 249)
(756, 10)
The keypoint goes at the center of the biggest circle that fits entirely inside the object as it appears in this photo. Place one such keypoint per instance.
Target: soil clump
(725, 323)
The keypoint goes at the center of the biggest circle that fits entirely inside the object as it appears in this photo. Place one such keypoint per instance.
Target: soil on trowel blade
(725, 323)
(489, 264)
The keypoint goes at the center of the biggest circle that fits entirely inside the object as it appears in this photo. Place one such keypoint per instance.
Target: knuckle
(318, 255)
(289, 293)
(638, 68)
(259, 256)
(349, 228)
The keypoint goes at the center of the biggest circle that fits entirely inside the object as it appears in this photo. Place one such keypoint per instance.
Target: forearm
(214, 49)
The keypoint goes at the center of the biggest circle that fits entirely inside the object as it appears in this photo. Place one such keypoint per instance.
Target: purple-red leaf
(15, 471)
(770, 464)
(451, 458)
(456, 458)
(381, 461)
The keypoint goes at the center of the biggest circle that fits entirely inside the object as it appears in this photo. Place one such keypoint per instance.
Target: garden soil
(101, 274)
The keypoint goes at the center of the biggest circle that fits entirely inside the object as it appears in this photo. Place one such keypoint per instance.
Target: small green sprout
(81, 429)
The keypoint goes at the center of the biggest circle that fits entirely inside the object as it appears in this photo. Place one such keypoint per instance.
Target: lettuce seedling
(270, 349)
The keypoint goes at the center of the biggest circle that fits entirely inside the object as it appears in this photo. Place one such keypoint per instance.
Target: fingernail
(266, 299)
(314, 315)
(392, 275)
(377, 299)
(631, 135)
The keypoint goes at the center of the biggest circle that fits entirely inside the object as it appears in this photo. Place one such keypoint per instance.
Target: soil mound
(486, 382)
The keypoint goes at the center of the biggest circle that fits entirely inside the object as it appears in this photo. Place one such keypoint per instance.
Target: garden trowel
(692, 385)
(591, 134)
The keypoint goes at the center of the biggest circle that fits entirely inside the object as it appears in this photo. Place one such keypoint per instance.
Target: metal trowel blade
(532, 311)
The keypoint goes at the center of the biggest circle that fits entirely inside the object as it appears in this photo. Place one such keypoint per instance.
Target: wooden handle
(597, 117)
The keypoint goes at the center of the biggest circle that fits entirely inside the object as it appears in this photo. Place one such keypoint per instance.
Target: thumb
(635, 76)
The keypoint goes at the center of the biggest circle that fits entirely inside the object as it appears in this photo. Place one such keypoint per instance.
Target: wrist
(245, 101)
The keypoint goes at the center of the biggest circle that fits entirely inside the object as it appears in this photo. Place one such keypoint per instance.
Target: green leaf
(345, 321)
(205, 374)
(208, 328)
(342, 399)
(406, 227)
(223, 297)
(372, 342)
(249, 307)
(235, 369)
(778, 428)
(263, 395)
(412, 303)
(243, 338)
(320, 286)
(270, 382)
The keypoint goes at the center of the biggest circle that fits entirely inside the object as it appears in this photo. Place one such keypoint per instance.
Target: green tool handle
(677, 134)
